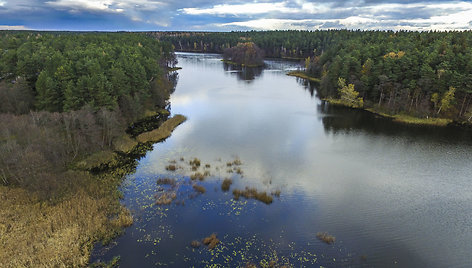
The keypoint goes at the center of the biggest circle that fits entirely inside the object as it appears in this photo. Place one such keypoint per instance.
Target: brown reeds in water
(166, 181)
(226, 184)
(325, 237)
(171, 167)
(165, 198)
(252, 193)
(199, 188)
(211, 241)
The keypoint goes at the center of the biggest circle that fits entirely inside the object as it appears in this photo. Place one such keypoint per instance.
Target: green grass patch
(174, 69)
(413, 120)
(304, 75)
(163, 132)
(124, 144)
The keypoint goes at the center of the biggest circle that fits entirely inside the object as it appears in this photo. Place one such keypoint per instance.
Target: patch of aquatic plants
(252, 193)
(165, 197)
(195, 163)
(171, 167)
(166, 181)
(197, 176)
(211, 241)
(233, 167)
(199, 188)
(195, 244)
(325, 237)
(226, 184)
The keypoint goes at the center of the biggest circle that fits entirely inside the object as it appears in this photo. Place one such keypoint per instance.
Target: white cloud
(75, 5)
(13, 27)
(242, 9)
(112, 6)
(2, 3)
(269, 24)
(449, 16)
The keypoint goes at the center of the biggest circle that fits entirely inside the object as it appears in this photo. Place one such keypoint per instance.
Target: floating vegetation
(237, 162)
(276, 193)
(165, 198)
(238, 170)
(211, 241)
(199, 188)
(197, 176)
(325, 237)
(206, 173)
(252, 193)
(171, 167)
(195, 244)
(207, 166)
(226, 184)
(195, 162)
(229, 164)
(166, 181)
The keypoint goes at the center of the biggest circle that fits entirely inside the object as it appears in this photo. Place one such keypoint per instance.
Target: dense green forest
(66, 101)
(424, 74)
(82, 88)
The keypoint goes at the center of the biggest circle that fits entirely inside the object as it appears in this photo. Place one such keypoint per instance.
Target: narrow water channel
(390, 194)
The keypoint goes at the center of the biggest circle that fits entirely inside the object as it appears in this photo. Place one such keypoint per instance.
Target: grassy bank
(408, 119)
(399, 118)
(304, 75)
(61, 231)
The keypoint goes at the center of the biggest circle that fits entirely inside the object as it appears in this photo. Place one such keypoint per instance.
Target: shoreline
(303, 75)
(242, 64)
(398, 118)
(83, 214)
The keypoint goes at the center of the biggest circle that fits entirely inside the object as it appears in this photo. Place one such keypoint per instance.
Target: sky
(241, 15)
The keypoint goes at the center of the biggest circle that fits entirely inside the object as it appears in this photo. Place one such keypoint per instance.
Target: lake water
(392, 195)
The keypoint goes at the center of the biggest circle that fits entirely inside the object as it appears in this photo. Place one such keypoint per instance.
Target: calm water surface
(392, 195)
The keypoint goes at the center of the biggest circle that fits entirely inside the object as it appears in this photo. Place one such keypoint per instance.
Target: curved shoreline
(398, 118)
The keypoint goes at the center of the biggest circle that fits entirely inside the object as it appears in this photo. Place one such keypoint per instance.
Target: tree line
(64, 96)
(417, 73)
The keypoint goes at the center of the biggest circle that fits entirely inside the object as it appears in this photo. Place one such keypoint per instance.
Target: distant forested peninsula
(417, 74)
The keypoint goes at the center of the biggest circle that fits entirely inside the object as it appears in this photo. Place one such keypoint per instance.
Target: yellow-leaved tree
(446, 101)
(349, 96)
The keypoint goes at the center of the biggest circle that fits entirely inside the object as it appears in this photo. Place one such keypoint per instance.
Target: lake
(390, 194)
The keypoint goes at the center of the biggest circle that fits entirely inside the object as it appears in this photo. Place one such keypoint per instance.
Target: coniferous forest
(78, 111)
(423, 74)
(67, 101)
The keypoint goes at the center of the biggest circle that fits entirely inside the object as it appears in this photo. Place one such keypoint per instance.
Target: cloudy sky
(199, 15)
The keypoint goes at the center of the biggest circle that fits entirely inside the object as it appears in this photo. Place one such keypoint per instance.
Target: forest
(422, 74)
(67, 100)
